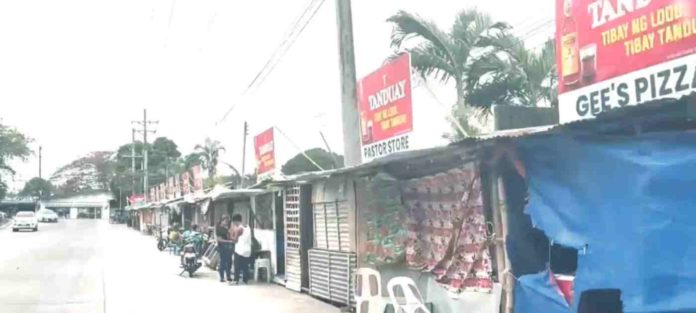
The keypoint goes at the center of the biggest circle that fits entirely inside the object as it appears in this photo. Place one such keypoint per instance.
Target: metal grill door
(331, 275)
(293, 260)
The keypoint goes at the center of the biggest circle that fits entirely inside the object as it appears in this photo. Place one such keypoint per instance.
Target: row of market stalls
(545, 217)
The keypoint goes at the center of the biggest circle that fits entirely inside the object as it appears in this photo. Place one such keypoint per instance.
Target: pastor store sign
(385, 106)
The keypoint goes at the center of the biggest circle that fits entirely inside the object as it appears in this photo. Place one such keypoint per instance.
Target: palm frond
(428, 61)
(407, 25)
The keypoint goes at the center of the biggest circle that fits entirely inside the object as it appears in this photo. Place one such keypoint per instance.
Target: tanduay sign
(616, 53)
(386, 112)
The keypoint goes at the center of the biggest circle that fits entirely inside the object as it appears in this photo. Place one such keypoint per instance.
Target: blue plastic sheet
(536, 293)
(628, 203)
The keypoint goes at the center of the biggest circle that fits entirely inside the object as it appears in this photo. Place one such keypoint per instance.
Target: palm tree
(522, 77)
(487, 64)
(210, 153)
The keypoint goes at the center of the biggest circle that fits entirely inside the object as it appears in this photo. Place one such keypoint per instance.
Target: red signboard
(163, 191)
(613, 53)
(170, 188)
(264, 149)
(185, 183)
(197, 178)
(134, 199)
(177, 186)
(386, 114)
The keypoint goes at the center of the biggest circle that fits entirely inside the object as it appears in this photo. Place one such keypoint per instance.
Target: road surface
(91, 266)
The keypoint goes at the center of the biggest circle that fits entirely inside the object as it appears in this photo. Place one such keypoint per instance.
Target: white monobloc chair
(412, 301)
(263, 261)
(368, 291)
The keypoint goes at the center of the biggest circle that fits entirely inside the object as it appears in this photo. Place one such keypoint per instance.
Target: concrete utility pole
(40, 149)
(145, 131)
(246, 132)
(349, 101)
(133, 156)
(133, 162)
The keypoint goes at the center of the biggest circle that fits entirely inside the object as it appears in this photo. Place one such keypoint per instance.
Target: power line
(285, 45)
(298, 148)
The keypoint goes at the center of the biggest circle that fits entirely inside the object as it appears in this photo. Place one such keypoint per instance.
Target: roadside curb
(3, 226)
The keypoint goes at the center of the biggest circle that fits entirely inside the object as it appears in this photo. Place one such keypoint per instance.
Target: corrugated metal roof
(668, 110)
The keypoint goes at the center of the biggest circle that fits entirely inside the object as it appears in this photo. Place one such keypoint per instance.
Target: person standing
(242, 251)
(224, 247)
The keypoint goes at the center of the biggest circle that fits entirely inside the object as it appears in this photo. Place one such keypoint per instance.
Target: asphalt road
(92, 266)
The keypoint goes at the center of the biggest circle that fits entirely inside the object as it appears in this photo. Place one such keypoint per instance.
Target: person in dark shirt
(224, 246)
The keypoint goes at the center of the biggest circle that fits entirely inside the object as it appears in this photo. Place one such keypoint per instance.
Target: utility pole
(145, 131)
(349, 101)
(246, 132)
(133, 162)
(133, 156)
(40, 148)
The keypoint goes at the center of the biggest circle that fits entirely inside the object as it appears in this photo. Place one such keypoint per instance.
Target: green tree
(13, 145)
(163, 151)
(163, 161)
(37, 187)
(210, 155)
(300, 164)
(190, 160)
(487, 64)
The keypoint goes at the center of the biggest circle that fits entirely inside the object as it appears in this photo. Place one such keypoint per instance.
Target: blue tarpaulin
(628, 204)
(536, 291)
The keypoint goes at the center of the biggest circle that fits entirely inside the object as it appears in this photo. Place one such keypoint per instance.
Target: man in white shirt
(242, 252)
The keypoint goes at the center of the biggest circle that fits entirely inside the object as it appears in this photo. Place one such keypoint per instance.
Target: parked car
(25, 220)
(46, 215)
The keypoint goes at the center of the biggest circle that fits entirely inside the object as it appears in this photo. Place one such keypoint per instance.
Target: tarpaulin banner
(135, 199)
(197, 178)
(163, 191)
(386, 112)
(170, 188)
(177, 186)
(626, 204)
(185, 183)
(613, 53)
(264, 149)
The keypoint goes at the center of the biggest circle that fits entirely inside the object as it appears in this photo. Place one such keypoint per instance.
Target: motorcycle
(189, 258)
(162, 239)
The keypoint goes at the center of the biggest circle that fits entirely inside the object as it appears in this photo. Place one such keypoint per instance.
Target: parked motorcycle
(162, 239)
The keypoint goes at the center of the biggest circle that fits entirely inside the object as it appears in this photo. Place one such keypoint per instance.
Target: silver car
(25, 220)
(46, 215)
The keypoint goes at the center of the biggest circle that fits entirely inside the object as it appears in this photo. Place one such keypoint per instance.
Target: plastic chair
(412, 301)
(368, 291)
(263, 260)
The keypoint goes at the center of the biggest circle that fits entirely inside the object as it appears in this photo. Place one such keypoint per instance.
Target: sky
(75, 73)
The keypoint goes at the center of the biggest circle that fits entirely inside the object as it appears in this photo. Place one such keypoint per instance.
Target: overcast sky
(74, 73)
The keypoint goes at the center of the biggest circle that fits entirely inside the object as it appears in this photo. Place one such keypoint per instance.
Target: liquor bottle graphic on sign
(570, 59)
(366, 128)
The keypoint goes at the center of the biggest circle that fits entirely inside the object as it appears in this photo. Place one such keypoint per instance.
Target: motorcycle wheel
(161, 245)
(191, 273)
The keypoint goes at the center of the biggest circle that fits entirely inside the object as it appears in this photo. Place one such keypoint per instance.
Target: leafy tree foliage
(300, 164)
(210, 155)
(488, 65)
(37, 187)
(13, 145)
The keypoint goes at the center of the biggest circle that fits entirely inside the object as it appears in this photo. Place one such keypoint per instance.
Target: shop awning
(221, 192)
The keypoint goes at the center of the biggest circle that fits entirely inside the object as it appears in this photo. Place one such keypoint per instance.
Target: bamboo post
(508, 280)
